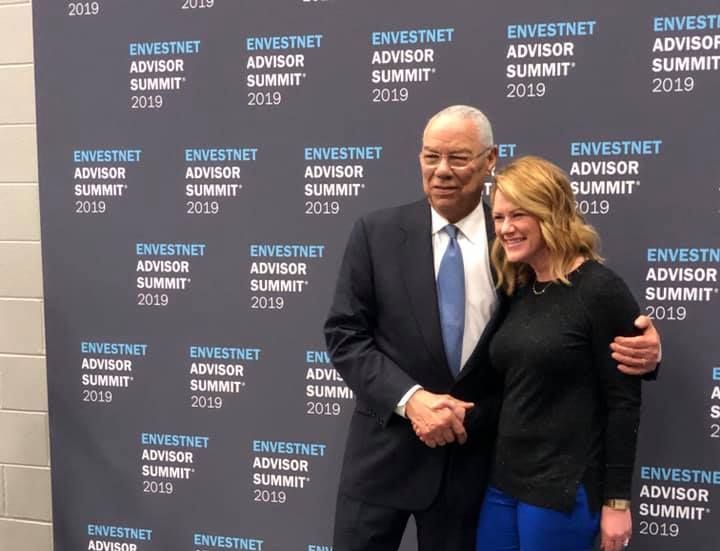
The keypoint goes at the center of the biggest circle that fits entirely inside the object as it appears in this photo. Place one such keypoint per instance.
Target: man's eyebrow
(452, 152)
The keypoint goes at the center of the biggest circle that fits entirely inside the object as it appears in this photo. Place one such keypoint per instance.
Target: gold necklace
(541, 291)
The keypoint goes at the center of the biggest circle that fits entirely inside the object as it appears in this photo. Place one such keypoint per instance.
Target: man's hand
(437, 418)
(638, 355)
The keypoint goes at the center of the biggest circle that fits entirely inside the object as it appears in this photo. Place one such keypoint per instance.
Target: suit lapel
(490, 229)
(473, 361)
(416, 256)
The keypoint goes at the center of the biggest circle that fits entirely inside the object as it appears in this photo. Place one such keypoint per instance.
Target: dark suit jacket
(383, 335)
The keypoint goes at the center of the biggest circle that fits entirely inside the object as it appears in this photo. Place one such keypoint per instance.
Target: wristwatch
(618, 504)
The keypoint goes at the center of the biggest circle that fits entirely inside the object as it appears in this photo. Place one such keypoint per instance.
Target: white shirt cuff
(400, 408)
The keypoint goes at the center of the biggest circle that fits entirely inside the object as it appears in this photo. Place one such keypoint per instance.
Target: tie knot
(452, 231)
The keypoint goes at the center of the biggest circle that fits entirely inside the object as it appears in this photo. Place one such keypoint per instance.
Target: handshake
(437, 419)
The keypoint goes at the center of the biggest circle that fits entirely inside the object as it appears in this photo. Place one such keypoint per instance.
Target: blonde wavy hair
(543, 190)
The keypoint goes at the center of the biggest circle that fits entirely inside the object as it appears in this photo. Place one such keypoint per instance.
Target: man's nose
(444, 166)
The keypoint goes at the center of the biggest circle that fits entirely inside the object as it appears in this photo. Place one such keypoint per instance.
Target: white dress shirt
(480, 295)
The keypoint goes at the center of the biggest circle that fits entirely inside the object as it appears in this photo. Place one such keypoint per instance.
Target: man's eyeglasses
(454, 160)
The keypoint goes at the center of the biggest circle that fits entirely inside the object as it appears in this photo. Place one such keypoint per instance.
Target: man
(420, 384)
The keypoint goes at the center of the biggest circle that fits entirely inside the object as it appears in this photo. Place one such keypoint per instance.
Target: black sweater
(568, 415)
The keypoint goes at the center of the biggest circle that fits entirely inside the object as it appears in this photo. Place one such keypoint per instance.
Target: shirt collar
(472, 226)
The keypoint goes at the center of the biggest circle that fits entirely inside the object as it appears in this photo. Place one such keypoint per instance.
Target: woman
(568, 424)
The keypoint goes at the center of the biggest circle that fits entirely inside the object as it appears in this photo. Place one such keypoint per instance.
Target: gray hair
(485, 133)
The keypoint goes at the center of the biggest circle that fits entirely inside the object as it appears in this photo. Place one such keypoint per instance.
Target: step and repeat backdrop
(201, 164)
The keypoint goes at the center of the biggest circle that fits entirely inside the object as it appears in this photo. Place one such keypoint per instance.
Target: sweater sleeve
(611, 310)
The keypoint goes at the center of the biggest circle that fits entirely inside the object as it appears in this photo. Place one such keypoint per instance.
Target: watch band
(618, 504)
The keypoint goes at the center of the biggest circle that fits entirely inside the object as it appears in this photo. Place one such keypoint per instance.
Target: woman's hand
(615, 529)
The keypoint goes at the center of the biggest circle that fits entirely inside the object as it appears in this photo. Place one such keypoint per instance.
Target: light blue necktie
(451, 300)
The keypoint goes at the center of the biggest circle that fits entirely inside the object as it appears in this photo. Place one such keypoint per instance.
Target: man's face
(454, 166)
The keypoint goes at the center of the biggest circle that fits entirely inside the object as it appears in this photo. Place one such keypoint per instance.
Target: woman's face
(519, 233)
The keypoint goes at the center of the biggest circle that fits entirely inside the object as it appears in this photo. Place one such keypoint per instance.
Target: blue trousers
(507, 524)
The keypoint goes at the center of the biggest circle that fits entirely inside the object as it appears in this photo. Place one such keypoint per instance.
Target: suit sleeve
(612, 310)
(377, 381)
